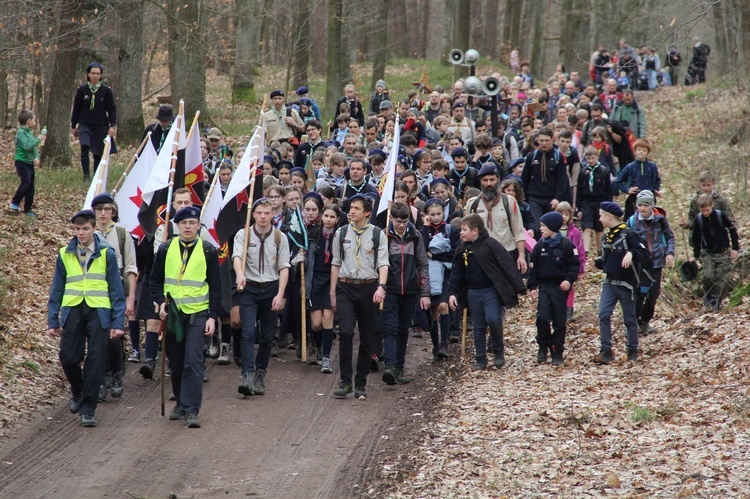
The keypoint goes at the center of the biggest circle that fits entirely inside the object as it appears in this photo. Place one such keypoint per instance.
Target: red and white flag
(128, 198)
(390, 172)
(195, 177)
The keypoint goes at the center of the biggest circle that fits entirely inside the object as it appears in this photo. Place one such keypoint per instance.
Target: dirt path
(297, 440)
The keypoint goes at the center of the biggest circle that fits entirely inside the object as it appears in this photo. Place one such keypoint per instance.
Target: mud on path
(297, 440)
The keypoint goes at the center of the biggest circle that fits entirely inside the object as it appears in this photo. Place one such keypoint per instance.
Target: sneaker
(326, 366)
(479, 365)
(87, 178)
(632, 355)
(135, 356)
(246, 387)
(557, 360)
(319, 356)
(389, 375)
(88, 421)
(14, 207)
(117, 387)
(604, 357)
(499, 361)
(223, 359)
(283, 341)
(443, 353)
(312, 356)
(31, 214)
(374, 366)
(401, 378)
(75, 403)
(102, 393)
(205, 374)
(291, 346)
(343, 390)
(416, 332)
(454, 337)
(213, 350)
(541, 355)
(360, 393)
(177, 413)
(147, 370)
(259, 382)
(192, 421)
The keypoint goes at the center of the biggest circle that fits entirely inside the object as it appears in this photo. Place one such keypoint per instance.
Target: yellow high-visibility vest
(91, 286)
(190, 292)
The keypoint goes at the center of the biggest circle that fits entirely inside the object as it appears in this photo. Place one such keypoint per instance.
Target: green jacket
(26, 145)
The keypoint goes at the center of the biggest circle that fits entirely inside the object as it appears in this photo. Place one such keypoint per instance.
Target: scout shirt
(274, 258)
(362, 264)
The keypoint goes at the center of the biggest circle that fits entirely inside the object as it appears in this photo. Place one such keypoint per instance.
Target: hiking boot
(88, 421)
(312, 356)
(401, 378)
(147, 369)
(569, 314)
(102, 393)
(644, 329)
(75, 403)
(416, 332)
(632, 355)
(319, 356)
(326, 366)
(292, 345)
(87, 178)
(479, 365)
(557, 359)
(374, 366)
(192, 421)
(499, 361)
(604, 357)
(443, 352)
(360, 393)
(205, 374)
(344, 389)
(177, 413)
(213, 349)
(135, 356)
(108, 379)
(246, 387)
(274, 350)
(223, 359)
(541, 355)
(117, 388)
(389, 375)
(283, 341)
(455, 337)
(259, 382)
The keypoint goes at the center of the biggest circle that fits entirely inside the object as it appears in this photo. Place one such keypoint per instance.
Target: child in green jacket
(27, 157)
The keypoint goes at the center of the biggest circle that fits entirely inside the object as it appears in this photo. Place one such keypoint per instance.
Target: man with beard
(501, 215)
(545, 176)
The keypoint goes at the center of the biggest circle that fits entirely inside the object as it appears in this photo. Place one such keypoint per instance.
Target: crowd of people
(477, 217)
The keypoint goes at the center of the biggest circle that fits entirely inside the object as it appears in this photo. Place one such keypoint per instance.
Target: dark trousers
(85, 162)
(539, 206)
(25, 191)
(186, 361)
(354, 305)
(397, 313)
(83, 331)
(487, 310)
(551, 309)
(646, 304)
(115, 348)
(255, 304)
(291, 320)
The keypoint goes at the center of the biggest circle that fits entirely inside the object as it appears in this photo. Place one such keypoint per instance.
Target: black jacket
(496, 262)
(552, 182)
(104, 112)
(713, 234)
(553, 264)
(157, 135)
(409, 271)
(624, 240)
(459, 183)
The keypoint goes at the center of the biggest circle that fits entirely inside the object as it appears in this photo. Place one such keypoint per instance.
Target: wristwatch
(381, 285)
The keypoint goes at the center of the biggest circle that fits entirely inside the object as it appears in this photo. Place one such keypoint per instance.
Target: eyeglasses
(274, 197)
(104, 208)
(188, 223)
(400, 221)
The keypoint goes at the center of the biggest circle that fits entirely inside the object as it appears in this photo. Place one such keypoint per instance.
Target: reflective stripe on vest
(191, 292)
(91, 286)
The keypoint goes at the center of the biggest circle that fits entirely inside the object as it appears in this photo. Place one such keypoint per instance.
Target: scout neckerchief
(82, 256)
(327, 234)
(436, 229)
(614, 232)
(185, 254)
(358, 244)
(262, 249)
(591, 169)
(93, 89)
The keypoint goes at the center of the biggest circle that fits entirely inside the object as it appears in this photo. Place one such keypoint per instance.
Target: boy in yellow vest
(86, 308)
(188, 270)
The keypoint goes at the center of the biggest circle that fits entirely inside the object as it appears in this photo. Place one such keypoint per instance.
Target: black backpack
(643, 270)
(376, 231)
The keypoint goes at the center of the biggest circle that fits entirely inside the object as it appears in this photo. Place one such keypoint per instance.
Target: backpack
(643, 276)
(506, 205)
(122, 234)
(376, 231)
(700, 225)
(657, 210)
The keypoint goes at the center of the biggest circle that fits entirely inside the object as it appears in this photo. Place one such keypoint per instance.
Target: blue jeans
(396, 318)
(255, 303)
(611, 294)
(186, 362)
(651, 74)
(487, 309)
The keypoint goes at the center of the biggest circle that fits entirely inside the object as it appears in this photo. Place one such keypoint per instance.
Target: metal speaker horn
(491, 86)
(456, 56)
(472, 85)
(471, 56)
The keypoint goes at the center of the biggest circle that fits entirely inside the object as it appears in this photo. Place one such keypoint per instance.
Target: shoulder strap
(473, 208)
(121, 235)
(506, 205)
(342, 236)
(375, 244)
(288, 112)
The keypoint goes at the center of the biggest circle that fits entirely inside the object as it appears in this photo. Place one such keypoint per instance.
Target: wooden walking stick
(131, 164)
(303, 326)
(463, 334)
(387, 221)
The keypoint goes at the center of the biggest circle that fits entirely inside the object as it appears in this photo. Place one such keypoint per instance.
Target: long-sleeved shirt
(713, 233)
(104, 112)
(26, 145)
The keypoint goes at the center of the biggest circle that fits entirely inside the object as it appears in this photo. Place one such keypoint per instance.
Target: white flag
(128, 198)
(210, 213)
(99, 182)
(390, 170)
(252, 158)
(159, 177)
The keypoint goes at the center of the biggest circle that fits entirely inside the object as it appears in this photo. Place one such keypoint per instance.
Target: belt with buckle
(260, 284)
(357, 281)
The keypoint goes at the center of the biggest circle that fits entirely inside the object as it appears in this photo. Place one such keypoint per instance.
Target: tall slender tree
(247, 36)
(130, 109)
(337, 67)
(380, 42)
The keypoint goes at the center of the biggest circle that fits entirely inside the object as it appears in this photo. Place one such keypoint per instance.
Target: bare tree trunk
(512, 28)
(247, 37)
(537, 35)
(56, 151)
(130, 116)
(187, 75)
(399, 27)
(462, 32)
(336, 67)
(489, 47)
(380, 42)
(3, 99)
(448, 30)
(301, 51)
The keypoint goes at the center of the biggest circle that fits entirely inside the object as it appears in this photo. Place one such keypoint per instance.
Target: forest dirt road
(295, 441)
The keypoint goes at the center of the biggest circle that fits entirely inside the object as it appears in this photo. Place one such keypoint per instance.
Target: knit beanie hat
(380, 83)
(645, 197)
(552, 220)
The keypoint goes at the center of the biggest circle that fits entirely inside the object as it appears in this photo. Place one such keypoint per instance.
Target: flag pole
(101, 168)
(387, 221)
(208, 196)
(252, 192)
(175, 148)
(131, 164)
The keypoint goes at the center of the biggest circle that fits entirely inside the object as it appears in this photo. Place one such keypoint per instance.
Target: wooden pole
(303, 328)
(210, 192)
(387, 221)
(100, 187)
(131, 164)
(175, 148)
(463, 333)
